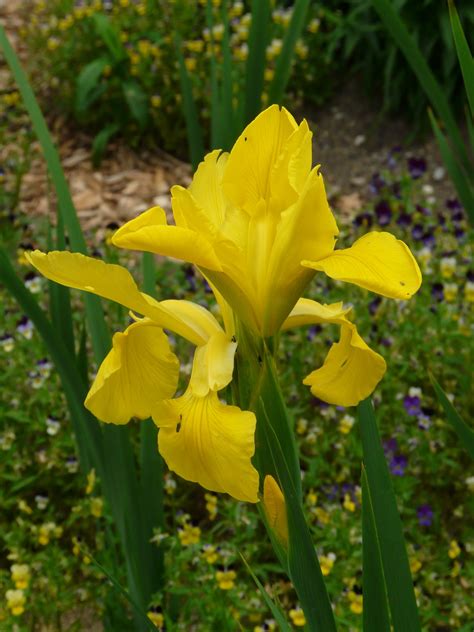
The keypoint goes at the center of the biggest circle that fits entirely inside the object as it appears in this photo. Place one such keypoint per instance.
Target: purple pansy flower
(398, 464)
(425, 515)
(416, 167)
(412, 405)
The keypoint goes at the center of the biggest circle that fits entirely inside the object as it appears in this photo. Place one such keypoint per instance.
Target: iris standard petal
(213, 364)
(139, 370)
(350, 372)
(112, 282)
(209, 443)
(378, 262)
(206, 187)
(150, 232)
(247, 174)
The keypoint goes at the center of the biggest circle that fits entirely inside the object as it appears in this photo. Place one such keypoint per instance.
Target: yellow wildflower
(226, 579)
(189, 535)
(16, 602)
(355, 601)
(348, 503)
(211, 505)
(321, 514)
(155, 100)
(327, 562)
(97, 505)
(450, 292)
(454, 549)
(190, 63)
(20, 575)
(314, 24)
(469, 292)
(415, 564)
(447, 267)
(297, 617)
(91, 479)
(156, 618)
(210, 553)
(346, 423)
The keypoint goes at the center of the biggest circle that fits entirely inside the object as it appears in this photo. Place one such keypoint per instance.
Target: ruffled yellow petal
(114, 283)
(378, 262)
(206, 187)
(139, 370)
(213, 364)
(209, 443)
(151, 233)
(247, 174)
(350, 372)
(275, 509)
(193, 316)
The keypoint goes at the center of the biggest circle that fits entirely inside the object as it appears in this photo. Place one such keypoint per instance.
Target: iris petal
(209, 443)
(378, 262)
(350, 372)
(139, 370)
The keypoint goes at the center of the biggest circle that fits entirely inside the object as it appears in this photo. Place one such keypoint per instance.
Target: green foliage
(360, 37)
(116, 68)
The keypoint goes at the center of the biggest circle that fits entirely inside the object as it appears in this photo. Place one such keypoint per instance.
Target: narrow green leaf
(464, 54)
(97, 326)
(375, 614)
(137, 101)
(463, 186)
(100, 142)
(277, 613)
(88, 88)
(278, 85)
(87, 432)
(256, 60)
(109, 35)
(464, 432)
(388, 525)
(144, 620)
(227, 108)
(304, 569)
(195, 139)
(430, 85)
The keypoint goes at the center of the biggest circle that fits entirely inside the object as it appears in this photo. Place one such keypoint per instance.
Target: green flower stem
(257, 388)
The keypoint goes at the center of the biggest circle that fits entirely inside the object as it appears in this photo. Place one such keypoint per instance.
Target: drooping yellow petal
(247, 174)
(378, 262)
(308, 312)
(139, 370)
(275, 509)
(213, 364)
(112, 282)
(151, 233)
(209, 443)
(350, 372)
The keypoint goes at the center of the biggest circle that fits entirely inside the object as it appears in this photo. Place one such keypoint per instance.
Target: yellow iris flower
(257, 224)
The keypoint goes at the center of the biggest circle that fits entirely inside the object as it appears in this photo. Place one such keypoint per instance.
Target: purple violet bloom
(390, 446)
(374, 305)
(417, 232)
(383, 212)
(429, 239)
(416, 167)
(363, 219)
(376, 184)
(437, 292)
(398, 464)
(313, 331)
(453, 204)
(412, 405)
(404, 219)
(425, 515)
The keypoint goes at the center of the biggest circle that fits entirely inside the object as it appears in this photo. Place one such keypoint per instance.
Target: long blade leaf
(397, 29)
(283, 65)
(255, 67)
(375, 615)
(465, 434)
(389, 528)
(464, 54)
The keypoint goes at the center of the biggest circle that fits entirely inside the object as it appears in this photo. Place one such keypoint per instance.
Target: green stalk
(257, 389)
